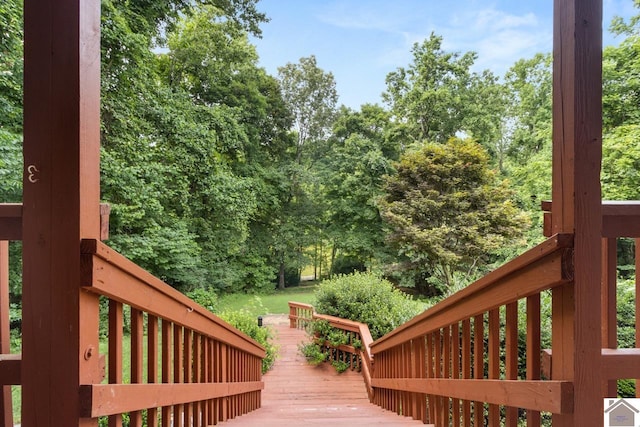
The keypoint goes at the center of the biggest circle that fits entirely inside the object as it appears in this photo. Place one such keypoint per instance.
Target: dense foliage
(223, 178)
(366, 298)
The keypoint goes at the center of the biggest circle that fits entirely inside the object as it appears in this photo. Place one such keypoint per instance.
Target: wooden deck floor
(297, 394)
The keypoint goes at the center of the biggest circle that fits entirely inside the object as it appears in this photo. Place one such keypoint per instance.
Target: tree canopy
(224, 178)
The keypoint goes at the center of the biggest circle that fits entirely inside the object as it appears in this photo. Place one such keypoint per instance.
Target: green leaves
(447, 212)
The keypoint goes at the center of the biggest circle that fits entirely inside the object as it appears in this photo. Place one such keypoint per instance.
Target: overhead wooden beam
(61, 206)
(577, 154)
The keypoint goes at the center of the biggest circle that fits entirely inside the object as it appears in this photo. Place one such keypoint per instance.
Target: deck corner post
(577, 154)
(61, 195)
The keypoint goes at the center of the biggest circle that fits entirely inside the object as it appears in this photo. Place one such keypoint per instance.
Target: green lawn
(276, 303)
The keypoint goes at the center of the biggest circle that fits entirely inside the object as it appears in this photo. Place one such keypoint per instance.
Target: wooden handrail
(11, 221)
(208, 369)
(620, 218)
(543, 267)
(299, 312)
(108, 273)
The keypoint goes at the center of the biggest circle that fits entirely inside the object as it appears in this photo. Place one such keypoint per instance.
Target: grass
(276, 303)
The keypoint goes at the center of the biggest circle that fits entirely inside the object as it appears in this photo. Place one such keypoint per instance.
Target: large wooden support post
(61, 206)
(577, 153)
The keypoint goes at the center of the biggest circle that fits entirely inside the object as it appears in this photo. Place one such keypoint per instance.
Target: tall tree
(432, 93)
(529, 83)
(310, 94)
(447, 212)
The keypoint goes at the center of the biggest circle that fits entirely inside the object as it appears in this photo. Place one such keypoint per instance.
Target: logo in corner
(621, 412)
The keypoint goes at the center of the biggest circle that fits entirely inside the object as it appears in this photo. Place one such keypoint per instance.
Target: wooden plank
(455, 374)
(115, 352)
(108, 273)
(478, 365)
(466, 368)
(106, 399)
(577, 205)
(178, 372)
(619, 219)
(620, 363)
(540, 268)
(494, 361)
(10, 369)
(61, 196)
(6, 405)
(136, 364)
(637, 305)
(166, 368)
(533, 350)
(152, 363)
(549, 396)
(10, 221)
(609, 307)
(511, 356)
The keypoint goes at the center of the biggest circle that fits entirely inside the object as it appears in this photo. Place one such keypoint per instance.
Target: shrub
(205, 297)
(366, 298)
(247, 323)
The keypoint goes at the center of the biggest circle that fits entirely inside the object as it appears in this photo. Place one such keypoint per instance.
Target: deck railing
(302, 315)
(187, 367)
(461, 362)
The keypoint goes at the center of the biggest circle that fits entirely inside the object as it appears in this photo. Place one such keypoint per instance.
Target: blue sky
(361, 41)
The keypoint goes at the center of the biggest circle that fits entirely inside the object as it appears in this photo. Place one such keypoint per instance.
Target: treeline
(223, 177)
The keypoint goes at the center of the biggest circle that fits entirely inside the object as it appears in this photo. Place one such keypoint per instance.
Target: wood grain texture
(296, 393)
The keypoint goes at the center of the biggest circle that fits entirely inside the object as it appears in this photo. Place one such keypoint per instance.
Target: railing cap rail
(99, 249)
(552, 244)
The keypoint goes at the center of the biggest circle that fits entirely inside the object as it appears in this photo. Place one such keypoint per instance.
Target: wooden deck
(296, 393)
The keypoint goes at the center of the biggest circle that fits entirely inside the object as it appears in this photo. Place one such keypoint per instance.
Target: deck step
(296, 393)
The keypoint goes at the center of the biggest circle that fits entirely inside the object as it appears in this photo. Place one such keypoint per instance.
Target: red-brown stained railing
(199, 370)
(460, 341)
(301, 315)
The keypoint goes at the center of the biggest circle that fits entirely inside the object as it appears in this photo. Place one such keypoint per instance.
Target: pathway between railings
(297, 394)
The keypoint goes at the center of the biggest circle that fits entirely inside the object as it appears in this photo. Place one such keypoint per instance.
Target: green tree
(310, 94)
(529, 84)
(431, 95)
(359, 154)
(447, 212)
(621, 75)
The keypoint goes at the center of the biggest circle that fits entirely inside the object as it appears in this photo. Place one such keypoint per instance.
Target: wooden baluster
(609, 305)
(115, 352)
(466, 368)
(421, 372)
(188, 373)
(152, 364)
(431, 374)
(455, 350)
(511, 357)
(137, 332)
(166, 367)
(478, 364)
(637, 255)
(198, 377)
(178, 373)
(533, 350)
(224, 369)
(494, 361)
(6, 406)
(446, 373)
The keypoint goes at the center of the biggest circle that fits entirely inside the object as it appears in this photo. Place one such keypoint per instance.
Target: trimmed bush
(366, 298)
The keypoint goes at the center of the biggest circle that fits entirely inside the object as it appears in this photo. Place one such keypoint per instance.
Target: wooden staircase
(296, 393)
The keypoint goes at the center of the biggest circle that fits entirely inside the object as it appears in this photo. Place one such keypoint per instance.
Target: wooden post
(61, 206)
(577, 153)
